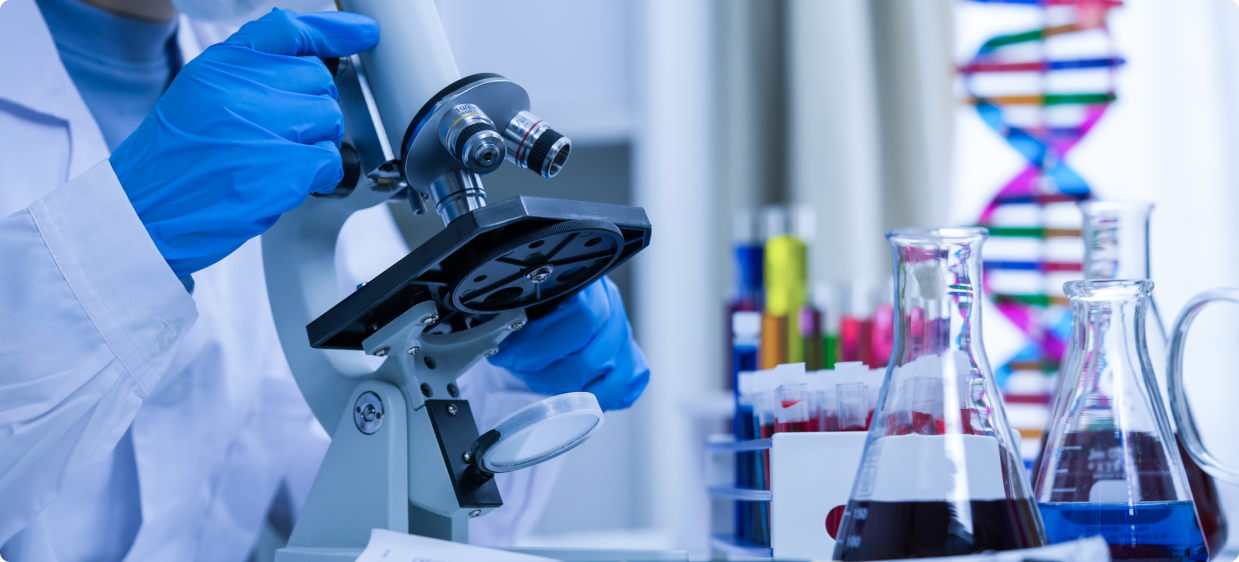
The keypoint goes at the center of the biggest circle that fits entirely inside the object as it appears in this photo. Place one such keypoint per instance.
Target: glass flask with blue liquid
(1111, 465)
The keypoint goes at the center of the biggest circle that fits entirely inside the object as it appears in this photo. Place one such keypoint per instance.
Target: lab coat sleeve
(90, 315)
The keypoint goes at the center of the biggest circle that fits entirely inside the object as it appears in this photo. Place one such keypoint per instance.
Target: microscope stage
(526, 252)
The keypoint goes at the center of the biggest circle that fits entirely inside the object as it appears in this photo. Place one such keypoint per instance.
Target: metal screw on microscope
(368, 413)
(452, 409)
(516, 325)
(475, 513)
(542, 273)
(467, 457)
(381, 352)
(413, 350)
(491, 352)
(430, 319)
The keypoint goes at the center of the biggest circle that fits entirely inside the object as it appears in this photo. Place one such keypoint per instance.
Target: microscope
(406, 454)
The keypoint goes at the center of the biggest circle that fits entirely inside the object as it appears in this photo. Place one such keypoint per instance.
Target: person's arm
(90, 305)
(90, 315)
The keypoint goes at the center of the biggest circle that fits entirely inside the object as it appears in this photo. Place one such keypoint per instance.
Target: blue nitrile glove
(584, 344)
(244, 133)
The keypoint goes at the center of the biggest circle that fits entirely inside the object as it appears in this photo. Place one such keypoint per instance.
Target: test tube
(927, 407)
(760, 531)
(916, 332)
(873, 388)
(749, 260)
(856, 324)
(882, 337)
(772, 350)
(792, 410)
(823, 409)
(899, 421)
(745, 302)
(825, 303)
(745, 341)
(745, 428)
(811, 330)
(971, 425)
(853, 408)
(765, 414)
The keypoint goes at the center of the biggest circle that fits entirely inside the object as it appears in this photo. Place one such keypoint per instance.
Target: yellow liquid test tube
(786, 277)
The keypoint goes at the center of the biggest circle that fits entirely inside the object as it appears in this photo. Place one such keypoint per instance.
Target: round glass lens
(543, 430)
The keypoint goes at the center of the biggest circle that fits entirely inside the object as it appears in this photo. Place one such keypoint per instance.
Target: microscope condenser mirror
(539, 432)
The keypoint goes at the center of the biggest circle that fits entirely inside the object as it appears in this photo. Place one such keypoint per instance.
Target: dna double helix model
(1042, 91)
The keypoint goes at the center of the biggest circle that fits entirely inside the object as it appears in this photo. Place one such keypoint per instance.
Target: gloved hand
(584, 344)
(244, 133)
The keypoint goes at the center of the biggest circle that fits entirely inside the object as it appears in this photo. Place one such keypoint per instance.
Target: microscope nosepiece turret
(533, 144)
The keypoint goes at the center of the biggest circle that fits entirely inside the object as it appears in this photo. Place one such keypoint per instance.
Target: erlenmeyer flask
(941, 475)
(1116, 246)
(1111, 466)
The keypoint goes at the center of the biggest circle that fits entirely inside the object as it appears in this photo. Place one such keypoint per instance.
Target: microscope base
(361, 485)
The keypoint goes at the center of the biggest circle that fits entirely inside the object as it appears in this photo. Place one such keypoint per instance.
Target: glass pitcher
(941, 473)
(1111, 465)
(1178, 398)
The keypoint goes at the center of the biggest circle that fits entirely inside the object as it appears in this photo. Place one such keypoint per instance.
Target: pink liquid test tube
(853, 408)
(927, 407)
(792, 409)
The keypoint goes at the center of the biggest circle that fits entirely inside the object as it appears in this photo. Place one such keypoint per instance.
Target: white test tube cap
(824, 301)
(746, 324)
(774, 221)
(749, 383)
(789, 373)
(804, 222)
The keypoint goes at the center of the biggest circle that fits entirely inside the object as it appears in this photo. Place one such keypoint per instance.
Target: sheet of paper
(390, 546)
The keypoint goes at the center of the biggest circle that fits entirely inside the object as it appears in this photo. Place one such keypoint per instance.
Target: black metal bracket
(456, 431)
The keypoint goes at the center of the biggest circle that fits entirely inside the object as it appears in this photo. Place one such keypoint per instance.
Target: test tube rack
(811, 477)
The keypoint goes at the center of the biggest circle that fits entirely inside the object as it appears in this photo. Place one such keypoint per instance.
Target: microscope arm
(411, 63)
(299, 260)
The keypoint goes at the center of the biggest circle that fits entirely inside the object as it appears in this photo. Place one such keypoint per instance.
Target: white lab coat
(98, 337)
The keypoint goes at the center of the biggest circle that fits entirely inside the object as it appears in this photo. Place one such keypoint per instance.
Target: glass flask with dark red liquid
(1111, 465)
(940, 475)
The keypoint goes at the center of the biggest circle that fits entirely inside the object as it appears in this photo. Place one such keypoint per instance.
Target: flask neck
(1108, 333)
(1116, 239)
(1116, 246)
(937, 298)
